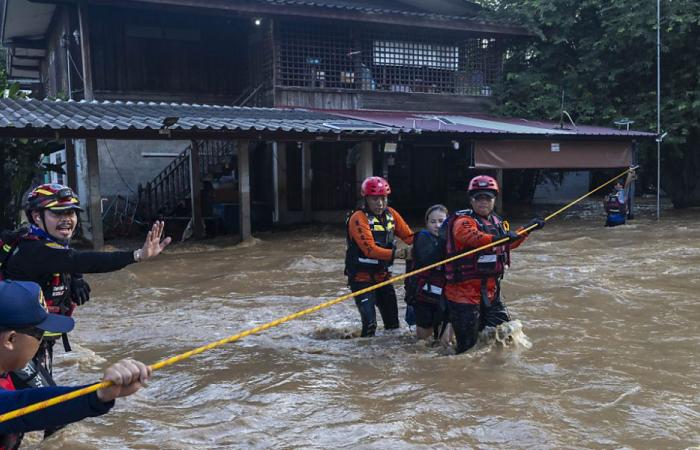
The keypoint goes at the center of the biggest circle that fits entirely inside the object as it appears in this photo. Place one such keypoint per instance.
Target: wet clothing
(468, 320)
(425, 290)
(368, 259)
(383, 299)
(430, 315)
(38, 257)
(473, 284)
(74, 410)
(616, 208)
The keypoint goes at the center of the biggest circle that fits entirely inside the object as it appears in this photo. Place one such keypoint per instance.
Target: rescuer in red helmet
(371, 250)
(473, 282)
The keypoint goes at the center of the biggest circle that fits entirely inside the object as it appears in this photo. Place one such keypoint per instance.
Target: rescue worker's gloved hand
(512, 236)
(79, 290)
(410, 316)
(538, 221)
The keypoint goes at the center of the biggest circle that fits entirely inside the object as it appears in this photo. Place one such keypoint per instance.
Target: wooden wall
(147, 54)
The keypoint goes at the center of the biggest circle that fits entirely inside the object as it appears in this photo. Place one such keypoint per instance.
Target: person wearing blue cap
(43, 254)
(23, 321)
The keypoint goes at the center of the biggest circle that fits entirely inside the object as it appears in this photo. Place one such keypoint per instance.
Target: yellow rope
(175, 359)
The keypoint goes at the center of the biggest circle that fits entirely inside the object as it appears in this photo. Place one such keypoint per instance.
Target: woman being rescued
(427, 308)
(371, 251)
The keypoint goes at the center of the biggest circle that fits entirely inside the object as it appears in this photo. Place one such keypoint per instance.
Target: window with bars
(343, 57)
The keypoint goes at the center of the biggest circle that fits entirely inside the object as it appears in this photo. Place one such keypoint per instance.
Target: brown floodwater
(612, 315)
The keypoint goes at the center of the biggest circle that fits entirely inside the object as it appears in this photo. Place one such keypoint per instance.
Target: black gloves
(538, 221)
(79, 290)
(512, 236)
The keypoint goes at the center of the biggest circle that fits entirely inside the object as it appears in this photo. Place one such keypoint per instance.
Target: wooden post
(93, 161)
(83, 18)
(306, 176)
(95, 198)
(196, 192)
(499, 198)
(279, 171)
(365, 164)
(71, 172)
(244, 188)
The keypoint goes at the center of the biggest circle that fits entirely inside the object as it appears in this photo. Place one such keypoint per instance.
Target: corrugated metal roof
(482, 124)
(130, 116)
(372, 7)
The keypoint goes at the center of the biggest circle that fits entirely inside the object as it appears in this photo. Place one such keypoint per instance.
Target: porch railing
(170, 190)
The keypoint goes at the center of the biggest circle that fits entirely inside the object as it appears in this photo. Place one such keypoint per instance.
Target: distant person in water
(616, 203)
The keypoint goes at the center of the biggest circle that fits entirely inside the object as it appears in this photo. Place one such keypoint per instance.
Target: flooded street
(612, 314)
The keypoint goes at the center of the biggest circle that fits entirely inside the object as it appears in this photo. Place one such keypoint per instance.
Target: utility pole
(658, 109)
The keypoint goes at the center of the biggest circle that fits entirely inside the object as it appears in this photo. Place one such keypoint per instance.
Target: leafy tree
(602, 55)
(19, 164)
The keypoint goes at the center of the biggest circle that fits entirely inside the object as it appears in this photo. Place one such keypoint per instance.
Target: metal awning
(141, 120)
(477, 125)
(513, 143)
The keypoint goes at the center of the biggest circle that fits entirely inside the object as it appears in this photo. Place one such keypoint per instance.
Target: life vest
(54, 285)
(613, 205)
(383, 233)
(426, 286)
(9, 441)
(483, 265)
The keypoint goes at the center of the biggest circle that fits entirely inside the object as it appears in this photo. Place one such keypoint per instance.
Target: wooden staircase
(169, 194)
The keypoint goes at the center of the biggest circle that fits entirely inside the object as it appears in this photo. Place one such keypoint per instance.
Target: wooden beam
(196, 192)
(84, 17)
(244, 188)
(36, 44)
(279, 170)
(306, 175)
(95, 197)
(221, 7)
(71, 172)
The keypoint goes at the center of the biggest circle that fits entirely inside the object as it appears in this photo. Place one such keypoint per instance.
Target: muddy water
(612, 314)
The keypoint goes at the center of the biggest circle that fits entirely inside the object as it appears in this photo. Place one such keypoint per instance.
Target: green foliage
(602, 54)
(19, 165)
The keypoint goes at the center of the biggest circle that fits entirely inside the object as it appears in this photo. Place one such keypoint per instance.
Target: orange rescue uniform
(360, 232)
(467, 236)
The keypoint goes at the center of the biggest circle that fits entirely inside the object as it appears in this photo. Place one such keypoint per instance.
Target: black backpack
(9, 239)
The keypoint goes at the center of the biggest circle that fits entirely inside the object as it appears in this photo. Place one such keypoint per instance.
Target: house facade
(337, 56)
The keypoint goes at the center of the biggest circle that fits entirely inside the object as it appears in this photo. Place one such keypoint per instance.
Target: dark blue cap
(22, 305)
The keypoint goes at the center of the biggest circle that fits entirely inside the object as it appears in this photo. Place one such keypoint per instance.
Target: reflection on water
(612, 315)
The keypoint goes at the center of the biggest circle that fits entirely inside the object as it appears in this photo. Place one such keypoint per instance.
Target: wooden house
(432, 65)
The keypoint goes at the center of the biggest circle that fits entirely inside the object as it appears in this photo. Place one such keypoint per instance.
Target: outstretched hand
(153, 245)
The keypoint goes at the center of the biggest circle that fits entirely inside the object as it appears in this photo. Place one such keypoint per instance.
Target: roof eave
(319, 12)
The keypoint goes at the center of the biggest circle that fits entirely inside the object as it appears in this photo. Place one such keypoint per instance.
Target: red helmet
(55, 197)
(483, 183)
(375, 186)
